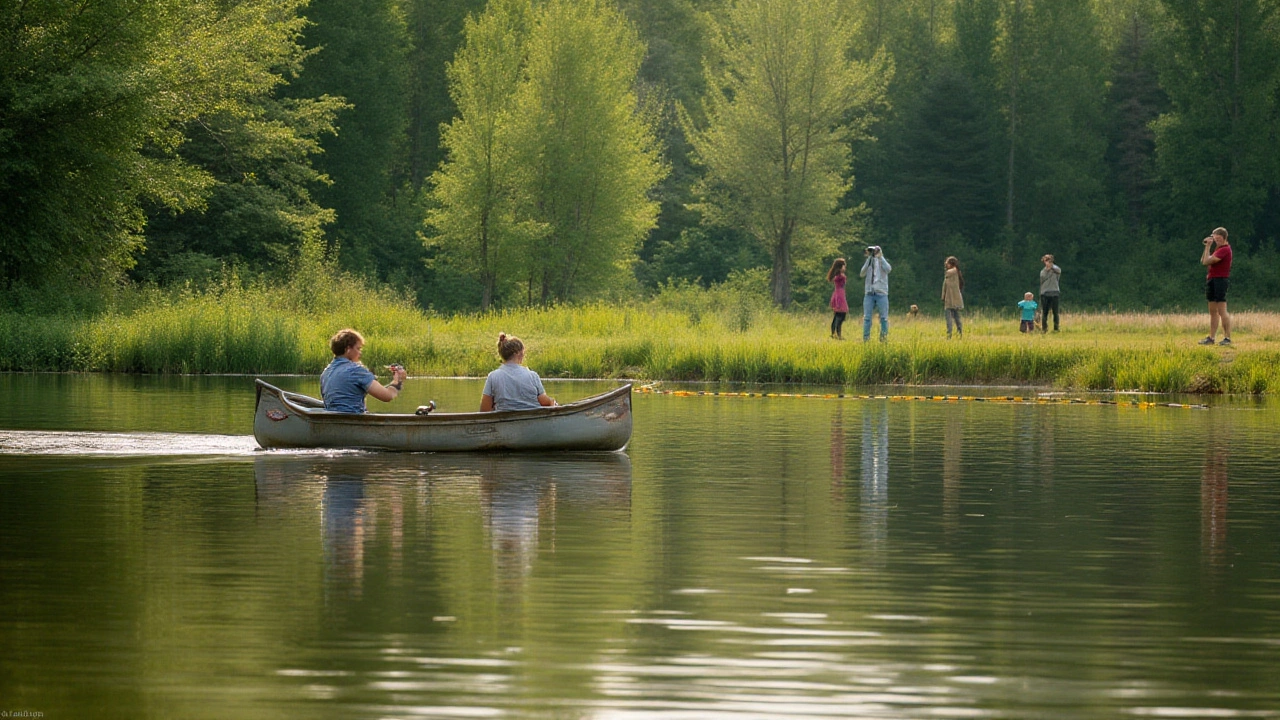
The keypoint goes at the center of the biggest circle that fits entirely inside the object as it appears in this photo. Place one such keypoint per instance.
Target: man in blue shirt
(346, 381)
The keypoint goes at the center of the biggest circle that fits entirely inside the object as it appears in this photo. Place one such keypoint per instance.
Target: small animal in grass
(914, 312)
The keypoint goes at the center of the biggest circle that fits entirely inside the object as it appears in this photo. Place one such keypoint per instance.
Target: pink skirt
(838, 302)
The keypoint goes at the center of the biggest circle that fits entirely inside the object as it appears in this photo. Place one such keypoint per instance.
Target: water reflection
(1213, 501)
(837, 453)
(518, 497)
(952, 446)
(875, 477)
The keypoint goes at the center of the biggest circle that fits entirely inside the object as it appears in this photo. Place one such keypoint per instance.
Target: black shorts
(1215, 289)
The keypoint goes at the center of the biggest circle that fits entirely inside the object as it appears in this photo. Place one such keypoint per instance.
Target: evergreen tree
(1059, 71)
(435, 31)
(1135, 101)
(1215, 147)
(944, 182)
(361, 50)
(781, 111)
(676, 34)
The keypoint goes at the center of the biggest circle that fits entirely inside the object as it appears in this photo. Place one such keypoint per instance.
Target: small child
(1028, 306)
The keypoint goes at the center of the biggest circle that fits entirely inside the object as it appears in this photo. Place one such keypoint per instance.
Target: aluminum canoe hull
(288, 420)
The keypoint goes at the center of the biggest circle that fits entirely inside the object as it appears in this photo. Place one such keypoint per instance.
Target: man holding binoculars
(1215, 285)
(875, 273)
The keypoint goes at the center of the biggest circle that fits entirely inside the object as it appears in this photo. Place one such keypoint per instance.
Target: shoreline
(257, 334)
(1039, 390)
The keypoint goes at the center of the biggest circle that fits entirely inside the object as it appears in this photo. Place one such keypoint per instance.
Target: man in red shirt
(1215, 285)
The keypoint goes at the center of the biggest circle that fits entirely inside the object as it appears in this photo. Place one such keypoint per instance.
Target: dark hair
(344, 340)
(837, 267)
(953, 262)
(508, 346)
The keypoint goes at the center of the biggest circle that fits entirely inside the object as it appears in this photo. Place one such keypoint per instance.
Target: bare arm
(545, 401)
(486, 403)
(387, 393)
(1205, 257)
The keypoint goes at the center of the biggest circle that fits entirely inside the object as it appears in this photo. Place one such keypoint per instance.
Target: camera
(872, 250)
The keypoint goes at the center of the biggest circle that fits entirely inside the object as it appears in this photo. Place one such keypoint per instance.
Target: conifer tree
(1216, 146)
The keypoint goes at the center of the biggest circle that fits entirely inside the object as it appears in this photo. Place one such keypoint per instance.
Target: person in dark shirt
(1215, 285)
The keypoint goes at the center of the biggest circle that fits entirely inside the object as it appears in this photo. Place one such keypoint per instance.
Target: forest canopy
(493, 154)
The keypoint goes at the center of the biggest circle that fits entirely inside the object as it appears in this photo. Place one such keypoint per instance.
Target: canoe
(289, 420)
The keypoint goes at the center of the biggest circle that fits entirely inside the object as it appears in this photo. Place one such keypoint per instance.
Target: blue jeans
(875, 303)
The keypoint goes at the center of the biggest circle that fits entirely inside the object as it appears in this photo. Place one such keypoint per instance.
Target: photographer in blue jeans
(875, 274)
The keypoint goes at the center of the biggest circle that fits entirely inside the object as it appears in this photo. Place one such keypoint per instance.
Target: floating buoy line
(653, 389)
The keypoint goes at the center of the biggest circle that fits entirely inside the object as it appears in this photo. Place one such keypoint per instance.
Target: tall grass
(724, 334)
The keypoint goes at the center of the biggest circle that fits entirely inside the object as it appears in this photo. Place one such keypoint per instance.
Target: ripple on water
(108, 443)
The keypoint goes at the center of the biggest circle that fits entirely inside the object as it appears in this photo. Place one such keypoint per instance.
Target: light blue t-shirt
(343, 385)
(1028, 309)
(514, 387)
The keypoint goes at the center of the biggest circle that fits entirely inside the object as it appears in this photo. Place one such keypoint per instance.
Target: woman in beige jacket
(952, 297)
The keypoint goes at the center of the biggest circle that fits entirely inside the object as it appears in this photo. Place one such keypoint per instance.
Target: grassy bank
(681, 335)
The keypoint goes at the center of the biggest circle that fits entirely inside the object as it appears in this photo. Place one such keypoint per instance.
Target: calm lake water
(745, 558)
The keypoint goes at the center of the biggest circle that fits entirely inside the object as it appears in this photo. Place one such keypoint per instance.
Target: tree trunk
(1015, 33)
(780, 276)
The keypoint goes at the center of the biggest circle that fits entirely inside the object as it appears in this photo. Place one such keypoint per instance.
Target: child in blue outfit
(1028, 313)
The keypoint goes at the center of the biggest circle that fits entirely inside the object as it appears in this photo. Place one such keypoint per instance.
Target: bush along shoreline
(714, 335)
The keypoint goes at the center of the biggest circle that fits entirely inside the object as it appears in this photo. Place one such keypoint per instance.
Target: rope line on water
(653, 389)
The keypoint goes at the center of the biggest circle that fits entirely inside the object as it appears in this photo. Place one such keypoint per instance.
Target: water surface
(745, 558)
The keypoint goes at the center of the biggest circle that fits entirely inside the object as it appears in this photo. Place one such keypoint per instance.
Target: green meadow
(682, 334)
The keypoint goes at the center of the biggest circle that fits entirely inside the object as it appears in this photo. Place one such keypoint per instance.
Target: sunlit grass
(682, 335)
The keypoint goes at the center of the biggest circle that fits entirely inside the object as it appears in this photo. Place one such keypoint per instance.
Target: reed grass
(258, 329)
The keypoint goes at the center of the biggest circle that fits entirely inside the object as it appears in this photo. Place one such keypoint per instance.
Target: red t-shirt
(1222, 268)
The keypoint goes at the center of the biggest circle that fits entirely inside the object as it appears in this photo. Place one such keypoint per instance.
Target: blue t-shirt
(1028, 309)
(514, 387)
(343, 385)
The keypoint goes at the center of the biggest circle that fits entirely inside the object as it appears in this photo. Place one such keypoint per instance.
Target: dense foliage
(475, 154)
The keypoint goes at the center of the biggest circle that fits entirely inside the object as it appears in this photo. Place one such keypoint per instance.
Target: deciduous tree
(781, 109)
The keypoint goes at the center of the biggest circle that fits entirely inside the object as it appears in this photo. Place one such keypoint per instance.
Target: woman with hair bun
(513, 386)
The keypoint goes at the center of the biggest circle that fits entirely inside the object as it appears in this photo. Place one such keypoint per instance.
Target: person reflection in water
(1213, 502)
(837, 454)
(952, 446)
(343, 515)
(875, 478)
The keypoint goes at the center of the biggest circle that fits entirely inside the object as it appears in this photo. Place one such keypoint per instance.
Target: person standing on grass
(1049, 293)
(839, 305)
(952, 297)
(1215, 285)
(346, 381)
(875, 273)
(1028, 307)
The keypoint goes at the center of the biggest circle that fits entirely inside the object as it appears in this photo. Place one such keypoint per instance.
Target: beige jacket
(951, 297)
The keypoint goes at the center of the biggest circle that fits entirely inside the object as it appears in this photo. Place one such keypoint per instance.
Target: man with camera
(875, 273)
(1215, 285)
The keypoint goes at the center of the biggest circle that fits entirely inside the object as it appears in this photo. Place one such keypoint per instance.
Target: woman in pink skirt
(839, 305)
